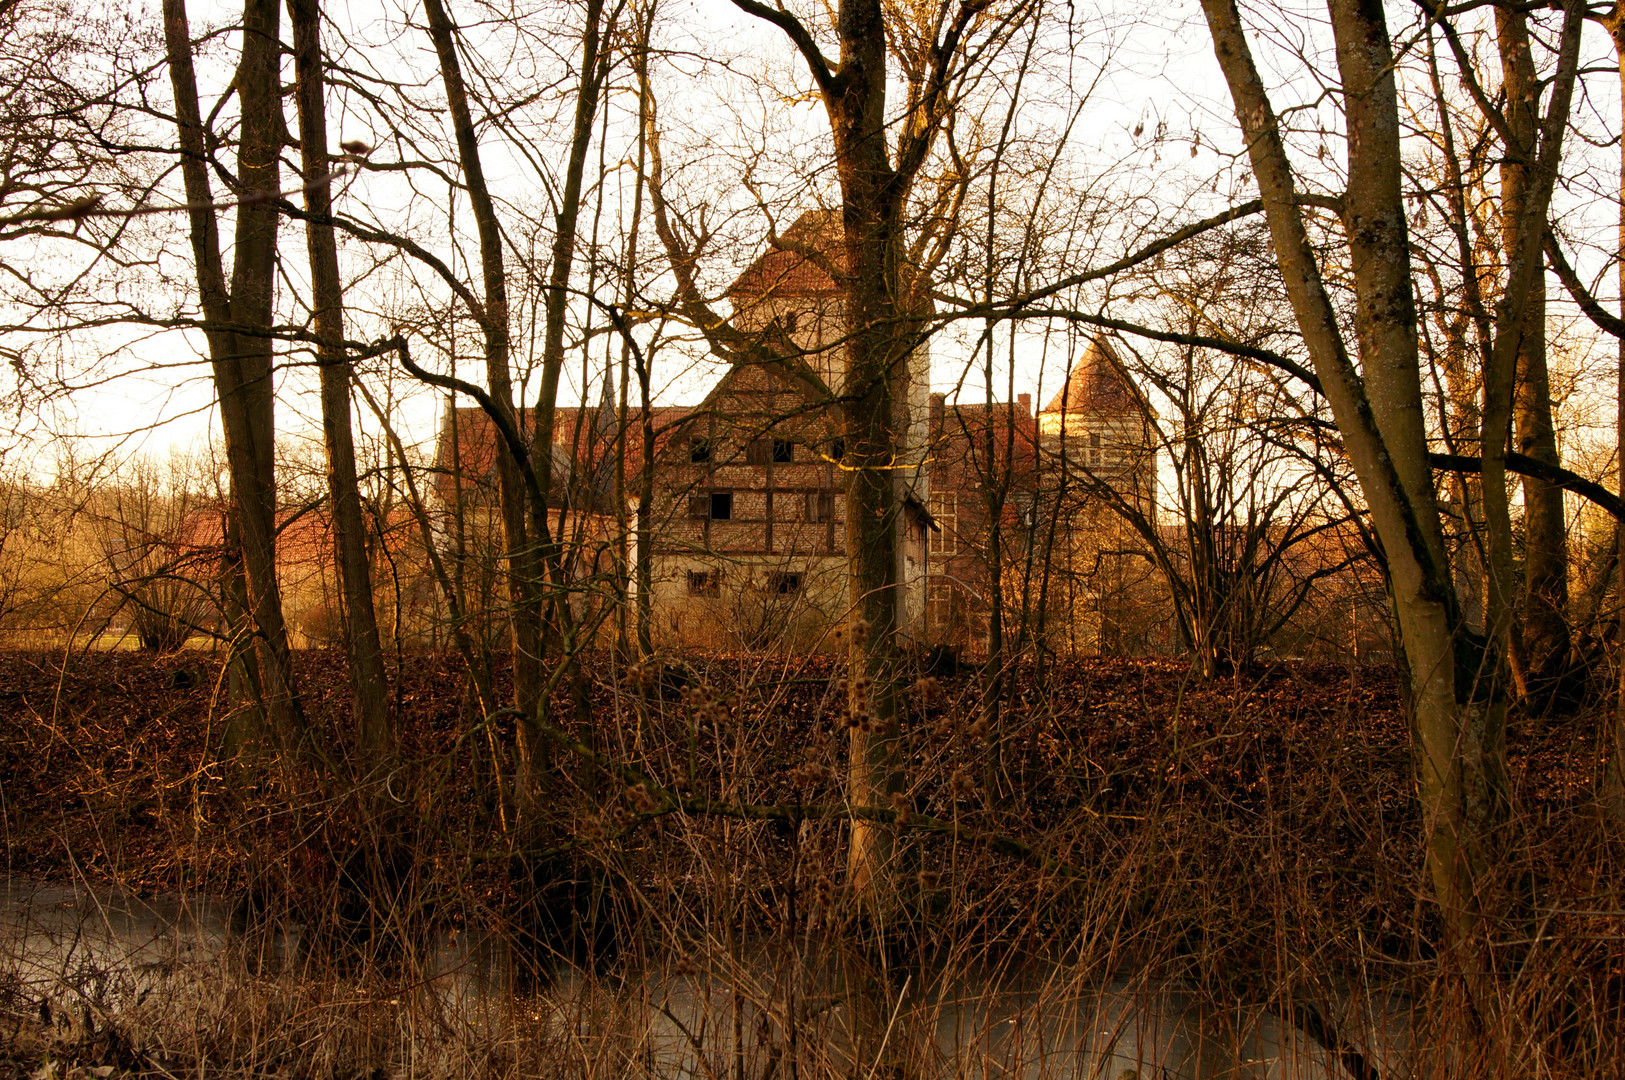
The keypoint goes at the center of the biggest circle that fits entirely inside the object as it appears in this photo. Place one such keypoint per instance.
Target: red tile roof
(476, 441)
(783, 270)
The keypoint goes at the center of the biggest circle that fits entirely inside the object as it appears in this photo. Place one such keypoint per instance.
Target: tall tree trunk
(876, 427)
(375, 739)
(1540, 644)
(239, 341)
(563, 255)
(642, 569)
(1615, 793)
(556, 625)
(1415, 551)
(1379, 412)
(524, 580)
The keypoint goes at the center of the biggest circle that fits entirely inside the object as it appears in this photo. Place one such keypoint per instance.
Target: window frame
(705, 583)
(944, 507)
(786, 582)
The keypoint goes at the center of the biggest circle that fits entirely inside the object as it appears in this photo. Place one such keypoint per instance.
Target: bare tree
(238, 322)
(1378, 407)
(878, 159)
(374, 734)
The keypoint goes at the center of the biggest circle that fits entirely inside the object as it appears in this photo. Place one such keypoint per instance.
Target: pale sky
(728, 86)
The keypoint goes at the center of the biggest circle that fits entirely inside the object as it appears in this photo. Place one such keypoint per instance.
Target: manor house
(747, 539)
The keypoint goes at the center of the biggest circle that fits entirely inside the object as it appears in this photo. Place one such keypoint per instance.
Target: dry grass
(1249, 885)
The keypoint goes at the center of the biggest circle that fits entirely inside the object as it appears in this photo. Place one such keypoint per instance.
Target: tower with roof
(1096, 430)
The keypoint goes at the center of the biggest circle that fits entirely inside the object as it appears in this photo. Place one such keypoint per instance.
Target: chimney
(1026, 403)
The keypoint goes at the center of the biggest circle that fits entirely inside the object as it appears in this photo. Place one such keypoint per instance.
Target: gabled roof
(783, 270)
(1096, 384)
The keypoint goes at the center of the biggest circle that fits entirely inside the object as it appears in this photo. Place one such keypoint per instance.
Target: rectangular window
(758, 451)
(722, 506)
(837, 449)
(784, 584)
(699, 451)
(945, 512)
(939, 605)
(699, 506)
(705, 583)
(820, 506)
(784, 451)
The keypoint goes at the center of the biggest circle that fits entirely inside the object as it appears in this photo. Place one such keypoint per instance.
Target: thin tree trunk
(641, 571)
(1540, 643)
(241, 357)
(1614, 797)
(523, 577)
(563, 256)
(368, 685)
(556, 628)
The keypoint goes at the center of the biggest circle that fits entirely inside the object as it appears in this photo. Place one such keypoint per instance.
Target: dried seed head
(928, 879)
(899, 805)
(927, 690)
(638, 795)
(859, 629)
(590, 829)
(978, 729)
(643, 675)
(961, 784)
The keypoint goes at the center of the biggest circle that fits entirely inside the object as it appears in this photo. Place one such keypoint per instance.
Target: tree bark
(1390, 458)
(1614, 796)
(240, 343)
(369, 688)
(524, 579)
(1539, 644)
(1378, 408)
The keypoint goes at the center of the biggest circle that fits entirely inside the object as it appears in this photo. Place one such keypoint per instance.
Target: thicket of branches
(1366, 296)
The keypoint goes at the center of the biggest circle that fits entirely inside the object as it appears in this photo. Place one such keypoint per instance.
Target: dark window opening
(784, 584)
(784, 451)
(704, 583)
(699, 451)
(722, 506)
(837, 449)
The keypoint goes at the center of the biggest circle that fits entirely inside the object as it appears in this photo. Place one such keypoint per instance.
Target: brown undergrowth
(1255, 838)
